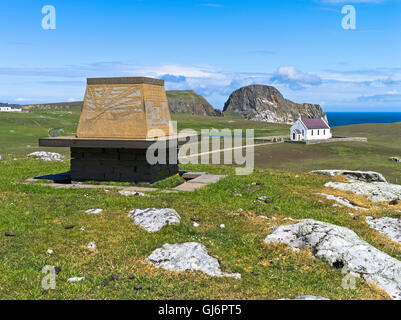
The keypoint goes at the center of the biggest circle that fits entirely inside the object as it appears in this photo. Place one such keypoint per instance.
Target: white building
(310, 129)
(10, 108)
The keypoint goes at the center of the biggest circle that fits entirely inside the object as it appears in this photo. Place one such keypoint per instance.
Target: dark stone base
(118, 165)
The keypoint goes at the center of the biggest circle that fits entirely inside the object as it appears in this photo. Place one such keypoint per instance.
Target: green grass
(186, 96)
(384, 141)
(38, 214)
(20, 130)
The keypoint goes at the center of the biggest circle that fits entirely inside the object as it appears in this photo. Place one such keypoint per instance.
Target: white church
(310, 129)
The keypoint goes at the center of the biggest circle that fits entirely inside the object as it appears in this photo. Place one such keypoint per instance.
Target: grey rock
(187, 256)
(92, 246)
(354, 175)
(153, 219)
(390, 227)
(266, 103)
(340, 246)
(75, 279)
(377, 191)
(46, 156)
(342, 201)
(128, 193)
(94, 211)
(265, 199)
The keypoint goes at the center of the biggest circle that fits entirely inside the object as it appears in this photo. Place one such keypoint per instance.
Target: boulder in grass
(367, 176)
(342, 248)
(187, 256)
(153, 219)
(94, 211)
(75, 279)
(376, 191)
(46, 156)
(390, 227)
(129, 193)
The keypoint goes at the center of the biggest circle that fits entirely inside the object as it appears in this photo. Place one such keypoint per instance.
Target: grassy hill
(54, 106)
(38, 215)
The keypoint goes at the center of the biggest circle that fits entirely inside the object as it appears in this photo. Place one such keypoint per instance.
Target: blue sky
(210, 46)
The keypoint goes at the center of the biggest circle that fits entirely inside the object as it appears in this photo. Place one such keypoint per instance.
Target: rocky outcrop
(154, 219)
(46, 156)
(187, 256)
(129, 193)
(266, 103)
(377, 191)
(55, 106)
(341, 247)
(342, 201)
(353, 175)
(187, 101)
(390, 227)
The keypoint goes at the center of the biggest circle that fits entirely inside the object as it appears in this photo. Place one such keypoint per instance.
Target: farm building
(310, 129)
(10, 108)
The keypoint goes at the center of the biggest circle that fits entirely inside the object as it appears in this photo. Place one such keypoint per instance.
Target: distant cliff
(54, 106)
(187, 101)
(266, 103)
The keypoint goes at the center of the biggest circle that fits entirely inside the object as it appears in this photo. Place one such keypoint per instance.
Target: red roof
(315, 123)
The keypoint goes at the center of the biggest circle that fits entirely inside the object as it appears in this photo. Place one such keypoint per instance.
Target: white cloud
(335, 87)
(294, 78)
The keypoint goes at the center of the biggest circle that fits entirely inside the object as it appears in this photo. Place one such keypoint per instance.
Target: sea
(337, 119)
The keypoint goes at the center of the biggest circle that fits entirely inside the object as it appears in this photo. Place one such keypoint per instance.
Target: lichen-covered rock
(376, 191)
(75, 279)
(390, 227)
(94, 211)
(340, 246)
(354, 175)
(46, 156)
(128, 193)
(187, 256)
(153, 219)
(342, 201)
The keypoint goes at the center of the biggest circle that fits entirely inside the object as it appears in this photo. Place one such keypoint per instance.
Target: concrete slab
(207, 179)
(94, 186)
(192, 175)
(186, 186)
(70, 141)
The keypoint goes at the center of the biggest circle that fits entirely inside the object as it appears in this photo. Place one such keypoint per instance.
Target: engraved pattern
(113, 102)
